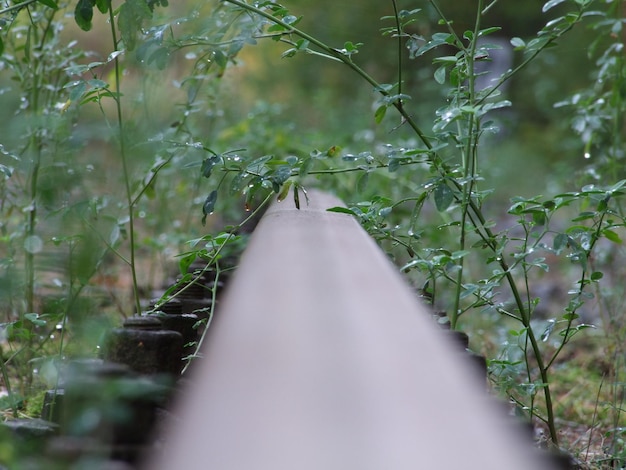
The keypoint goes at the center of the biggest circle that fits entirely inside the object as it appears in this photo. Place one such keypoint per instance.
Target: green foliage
(418, 174)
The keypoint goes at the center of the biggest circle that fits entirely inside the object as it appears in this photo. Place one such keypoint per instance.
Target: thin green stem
(126, 173)
(17, 6)
(37, 145)
(399, 34)
(469, 161)
(488, 7)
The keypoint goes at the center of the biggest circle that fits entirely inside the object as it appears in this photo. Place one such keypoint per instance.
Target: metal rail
(322, 358)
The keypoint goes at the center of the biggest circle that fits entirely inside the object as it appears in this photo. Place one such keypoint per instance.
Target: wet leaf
(548, 331)
(443, 196)
(379, 115)
(440, 75)
(284, 192)
(208, 164)
(185, 262)
(597, 275)
(551, 4)
(612, 236)
(342, 210)
(209, 205)
(83, 14)
(34, 319)
(131, 15)
(49, 3)
(103, 5)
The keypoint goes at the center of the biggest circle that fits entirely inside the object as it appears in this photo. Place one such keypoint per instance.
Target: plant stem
(36, 149)
(124, 157)
(469, 164)
(17, 6)
(399, 33)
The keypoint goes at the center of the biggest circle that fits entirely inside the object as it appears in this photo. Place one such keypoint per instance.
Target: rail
(321, 357)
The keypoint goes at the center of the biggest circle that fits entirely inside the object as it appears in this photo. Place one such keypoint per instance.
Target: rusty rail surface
(320, 357)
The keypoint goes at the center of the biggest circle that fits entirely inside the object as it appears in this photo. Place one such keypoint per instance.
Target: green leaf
(78, 89)
(584, 216)
(150, 189)
(127, 25)
(459, 254)
(539, 218)
(209, 205)
(486, 31)
(296, 195)
(548, 331)
(284, 192)
(447, 59)
(1, 46)
(551, 4)
(341, 210)
(238, 183)
(83, 14)
(443, 196)
(617, 186)
(6, 171)
(384, 211)
(131, 15)
(437, 40)
(289, 53)
(379, 115)
(103, 5)
(185, 262)
(208, 164)
(560, 242)
(597, 275)
(440, 75)
(220, 59)
(518, 43)
(612, 236)
(352, 48)
(49, 3)
(97, 84)
(34, 319)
